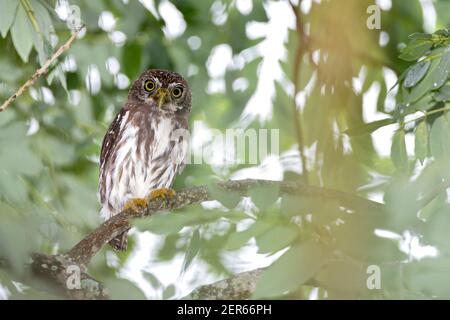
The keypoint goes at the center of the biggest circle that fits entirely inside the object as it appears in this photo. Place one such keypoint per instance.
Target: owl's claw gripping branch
(135, 204)
(167, 194)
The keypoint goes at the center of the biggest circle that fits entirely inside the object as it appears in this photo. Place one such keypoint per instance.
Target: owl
(145, 146)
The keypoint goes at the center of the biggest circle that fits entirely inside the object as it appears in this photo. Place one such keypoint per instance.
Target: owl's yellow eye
(177, 92)
(149, 85)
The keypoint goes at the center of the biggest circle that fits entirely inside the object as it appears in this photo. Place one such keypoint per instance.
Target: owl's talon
(135, 204)
(167, 194)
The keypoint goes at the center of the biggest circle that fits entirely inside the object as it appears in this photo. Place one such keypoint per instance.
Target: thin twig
(41, 71)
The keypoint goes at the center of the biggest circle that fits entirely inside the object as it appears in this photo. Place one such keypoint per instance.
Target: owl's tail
(120, 242)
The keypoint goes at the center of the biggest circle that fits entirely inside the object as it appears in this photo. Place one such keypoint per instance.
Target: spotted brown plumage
(145, 145)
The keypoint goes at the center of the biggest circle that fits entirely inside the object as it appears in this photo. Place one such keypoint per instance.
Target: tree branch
(67, 278)
(81, 254)
(239, 287)
(299, 52)
(41, 71)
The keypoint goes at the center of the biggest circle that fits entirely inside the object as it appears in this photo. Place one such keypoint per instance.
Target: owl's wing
(109, 142)
(182, 146)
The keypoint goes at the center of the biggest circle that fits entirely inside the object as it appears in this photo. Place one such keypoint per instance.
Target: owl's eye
(149, 85)
(177, 92)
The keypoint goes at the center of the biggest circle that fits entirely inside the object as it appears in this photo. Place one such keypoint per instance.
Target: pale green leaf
(193, 249)
(367, 128)
(7, 15)
(264, 196)
(443, 94)
(416, 73)
(22, 34)
(238, 239)
(169, 292)
(421, 141)
(439, 137)
(416, 49)
(441, 73)
(295, 267)
(276, 238)
(398, 150)
(121, 289)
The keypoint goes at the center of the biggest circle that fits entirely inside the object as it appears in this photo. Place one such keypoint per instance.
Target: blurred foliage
(50, 141)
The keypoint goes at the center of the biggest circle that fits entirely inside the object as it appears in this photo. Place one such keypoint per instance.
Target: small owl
(144, 147)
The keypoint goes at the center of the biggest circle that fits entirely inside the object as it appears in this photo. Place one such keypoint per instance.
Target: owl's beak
(162, 94)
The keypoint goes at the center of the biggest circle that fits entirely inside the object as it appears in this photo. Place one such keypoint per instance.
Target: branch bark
(239, 287)
(55, 268)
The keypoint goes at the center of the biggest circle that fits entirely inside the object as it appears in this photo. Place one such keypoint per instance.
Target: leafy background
(355, 89)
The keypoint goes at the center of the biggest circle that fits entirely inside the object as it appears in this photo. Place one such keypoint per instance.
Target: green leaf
(277, 238)
(22, 34)
(194, 247)
(238, 239)
(121, 289)
(43, 18)
(264, 196)
(368, 127)
(416, 49)
(420, 36)
(423, 104)
(439, 141)
(226, 198)
(443, 94)
(343, 276)
(168, 223)
(152, 279)
(398, 150)
(416, 73)
(14, 239)
(296, 266)
(443, 11)
(431, 81)
(421, 141)
(12, 188)
(7, 15)
(162, 223)
(42, 39)
(436, 229)
(429, 277)
(131, 59)
(169, 292)
(382, 96)
(439, 75)
(54, 150)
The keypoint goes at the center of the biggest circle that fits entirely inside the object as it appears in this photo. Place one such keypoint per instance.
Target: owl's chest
(146, 157)
(140, 144)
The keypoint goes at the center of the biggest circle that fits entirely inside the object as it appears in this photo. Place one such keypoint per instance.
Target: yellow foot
(167, 194)
(135, 204)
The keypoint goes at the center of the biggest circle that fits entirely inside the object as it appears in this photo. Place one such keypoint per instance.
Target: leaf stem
(296, 72)
(426, 114)
(26, 5)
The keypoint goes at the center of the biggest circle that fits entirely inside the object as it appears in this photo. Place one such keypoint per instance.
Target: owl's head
(162, 89)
